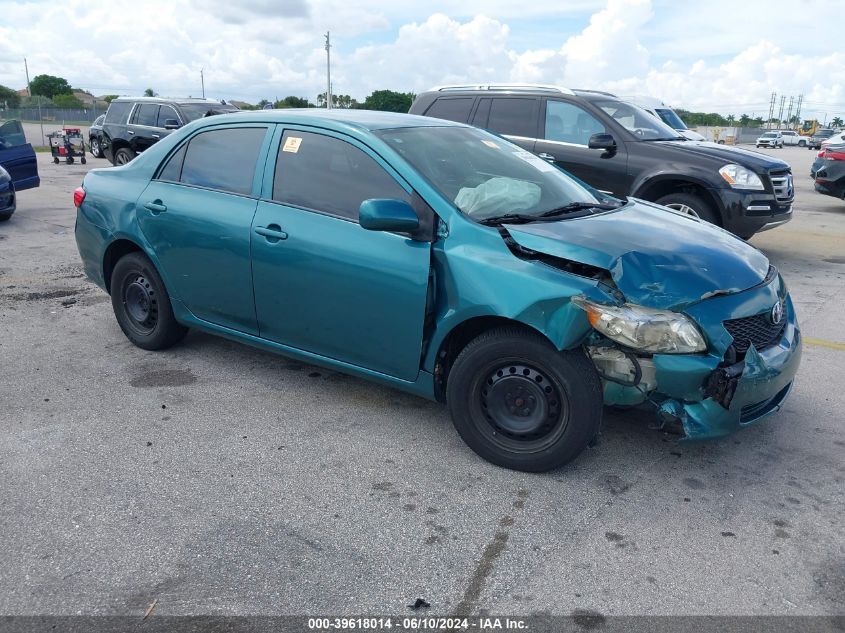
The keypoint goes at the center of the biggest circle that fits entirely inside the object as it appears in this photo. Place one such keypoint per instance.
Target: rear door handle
(547, 157)
(156, 207)
(272, 232)
(130, 132)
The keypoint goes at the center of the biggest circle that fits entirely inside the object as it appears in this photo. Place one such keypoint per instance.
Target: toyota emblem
(777, 312)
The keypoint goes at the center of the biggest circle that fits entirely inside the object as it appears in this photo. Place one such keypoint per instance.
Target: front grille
(782, 185)
(757, 329)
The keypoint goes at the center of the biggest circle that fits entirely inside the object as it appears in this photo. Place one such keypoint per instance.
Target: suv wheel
(123, 156)
(520, 403)
(96, 152)
(689, 204)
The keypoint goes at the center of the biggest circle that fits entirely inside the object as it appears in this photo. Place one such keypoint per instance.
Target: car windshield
(194, 111)
(486, 176)
(670, 118)
(769, 135)
(639, 122)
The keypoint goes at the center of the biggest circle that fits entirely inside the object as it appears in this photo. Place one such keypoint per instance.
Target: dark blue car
(18, 167)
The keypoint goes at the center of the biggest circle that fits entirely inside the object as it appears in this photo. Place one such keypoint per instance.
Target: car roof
(366, 120)
(180, 100)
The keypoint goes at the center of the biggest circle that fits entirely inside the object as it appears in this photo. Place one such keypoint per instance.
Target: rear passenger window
(329, 175)
(147, 114)
(455, 109)
(118, 111)
(517, 117)
(173, 170)
(220, 159)
(479, 119)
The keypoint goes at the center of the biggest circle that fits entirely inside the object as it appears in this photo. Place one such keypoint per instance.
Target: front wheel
(141, 304)
(690, 204)
(801, 143)
(521, 404)
(96, 150)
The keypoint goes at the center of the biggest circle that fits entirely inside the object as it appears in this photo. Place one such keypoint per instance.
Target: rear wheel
(123, 156)
(690, 204)
(96, 151)
(521, 404)
(141, 304)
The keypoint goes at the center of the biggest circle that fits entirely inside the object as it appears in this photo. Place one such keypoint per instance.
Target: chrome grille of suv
(782, 185)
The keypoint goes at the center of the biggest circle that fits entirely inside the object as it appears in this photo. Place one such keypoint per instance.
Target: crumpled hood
(656, 257)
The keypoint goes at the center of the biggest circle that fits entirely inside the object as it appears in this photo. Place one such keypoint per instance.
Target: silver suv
(770, 139)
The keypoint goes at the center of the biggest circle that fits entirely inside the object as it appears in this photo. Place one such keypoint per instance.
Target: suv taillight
(78, 197)
(829, 155)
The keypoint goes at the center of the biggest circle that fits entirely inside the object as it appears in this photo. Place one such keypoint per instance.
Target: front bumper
(707, 397)
(749, 212)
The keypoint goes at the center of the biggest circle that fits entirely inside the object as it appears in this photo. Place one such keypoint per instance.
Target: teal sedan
(445, 261)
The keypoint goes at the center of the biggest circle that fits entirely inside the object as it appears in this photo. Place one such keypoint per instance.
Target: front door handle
(155, 207)
(547, 157)
(155, 136)
(130, 132)
(273, 233)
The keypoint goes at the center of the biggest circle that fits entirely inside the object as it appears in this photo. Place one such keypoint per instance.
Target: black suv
(621, 149)
(133, 124)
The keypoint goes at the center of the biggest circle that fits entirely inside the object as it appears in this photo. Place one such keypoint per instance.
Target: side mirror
(171, 124)
(378, 214)
(602, 141)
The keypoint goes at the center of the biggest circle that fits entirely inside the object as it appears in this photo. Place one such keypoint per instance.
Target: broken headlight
(644, 329)
(740, 177)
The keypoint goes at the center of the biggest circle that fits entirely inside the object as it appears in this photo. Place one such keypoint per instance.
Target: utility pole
(780, 111)
(798, 109)
(202, 81)
(771, 111)
(789, 113)
(328, 71)
(29, 92)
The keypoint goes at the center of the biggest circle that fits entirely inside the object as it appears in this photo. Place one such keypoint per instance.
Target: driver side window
(567, 123)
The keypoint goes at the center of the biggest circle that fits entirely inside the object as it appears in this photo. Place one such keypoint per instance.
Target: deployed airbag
(498, 196)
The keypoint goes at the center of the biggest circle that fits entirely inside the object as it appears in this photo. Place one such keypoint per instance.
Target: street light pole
(29, 91)
(202, 81)
(328, 71)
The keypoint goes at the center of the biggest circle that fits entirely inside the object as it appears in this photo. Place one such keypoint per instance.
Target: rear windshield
(194, 111)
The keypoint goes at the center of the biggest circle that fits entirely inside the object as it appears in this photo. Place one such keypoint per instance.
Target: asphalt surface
(217, 479)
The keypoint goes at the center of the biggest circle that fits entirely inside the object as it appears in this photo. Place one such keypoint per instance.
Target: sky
(724, 56)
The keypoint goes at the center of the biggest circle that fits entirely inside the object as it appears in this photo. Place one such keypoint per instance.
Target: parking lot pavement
(218, 479)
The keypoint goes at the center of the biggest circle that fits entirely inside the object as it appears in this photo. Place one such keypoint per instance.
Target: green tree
(109, 98)
(293, 102)
(149, 92)
(264, 102)
(744, 120)
(730, 119)
(836, 122)
(9, 97)
(67, 101)
(389, 101)
(49, 86)
(338, 101)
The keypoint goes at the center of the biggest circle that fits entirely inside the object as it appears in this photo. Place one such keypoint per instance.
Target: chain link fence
(53, 115)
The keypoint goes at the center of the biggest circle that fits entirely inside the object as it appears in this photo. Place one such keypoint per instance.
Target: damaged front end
(752, 356)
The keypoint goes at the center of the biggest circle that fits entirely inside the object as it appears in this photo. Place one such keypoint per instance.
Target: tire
(83, 161)
(691, 205)
(123, 155)
(561, 393)
(69, 160)
(5, 217)
(801, 144)
(141, 304)
(56, 159)
(96, 150)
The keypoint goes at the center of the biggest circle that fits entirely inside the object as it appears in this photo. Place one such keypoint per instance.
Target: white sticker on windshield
(536, 161)
(292, 144)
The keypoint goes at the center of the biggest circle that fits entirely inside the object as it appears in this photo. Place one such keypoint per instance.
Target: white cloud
(264, 48)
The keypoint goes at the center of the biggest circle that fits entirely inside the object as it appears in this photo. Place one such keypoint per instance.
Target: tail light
(78, 197)
(820, 154)
(837, 155)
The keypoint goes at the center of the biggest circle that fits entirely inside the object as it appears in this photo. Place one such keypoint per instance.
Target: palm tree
(836, 122)
(744, 120)
(149, 92)
(730, 119)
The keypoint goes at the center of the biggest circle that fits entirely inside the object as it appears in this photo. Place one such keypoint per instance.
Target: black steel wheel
(520, 403)
(141, 304)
